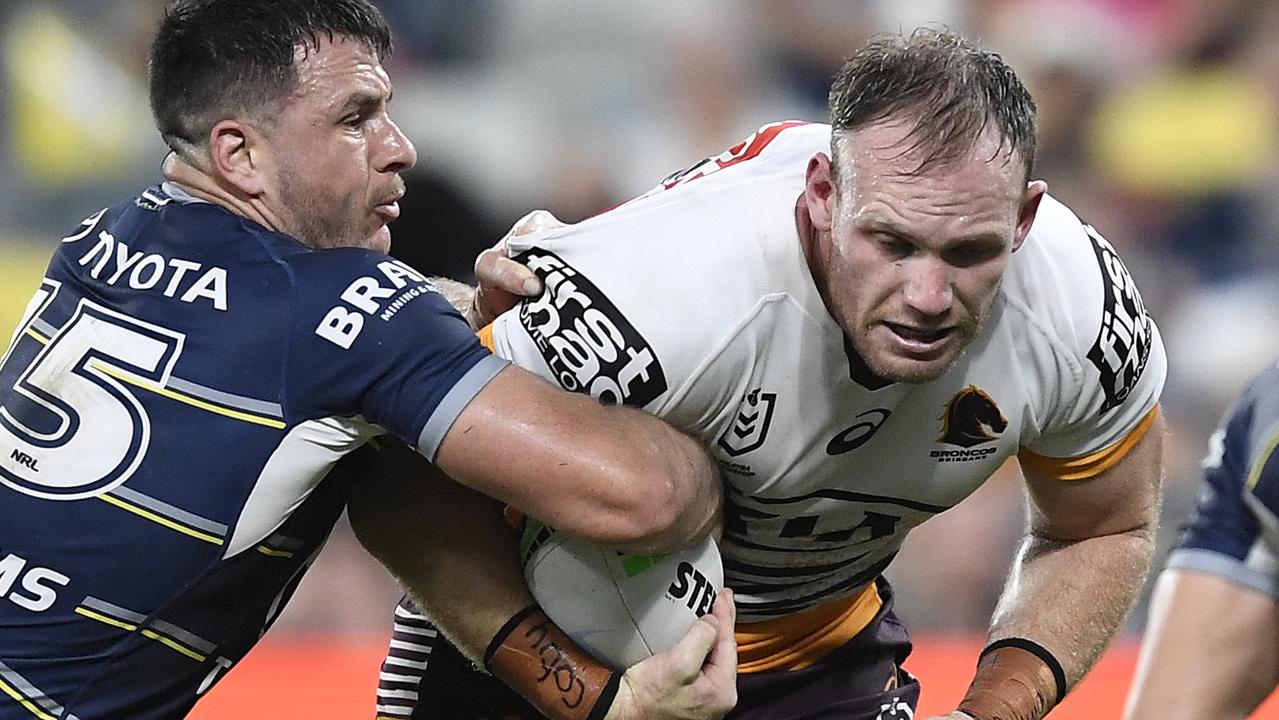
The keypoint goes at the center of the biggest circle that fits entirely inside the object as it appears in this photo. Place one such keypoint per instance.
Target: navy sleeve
(1234, 529)
(374, 338)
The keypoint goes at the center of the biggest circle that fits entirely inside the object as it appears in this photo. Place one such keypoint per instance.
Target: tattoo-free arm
(612, 475)
(1085, 557)
(1208, 650)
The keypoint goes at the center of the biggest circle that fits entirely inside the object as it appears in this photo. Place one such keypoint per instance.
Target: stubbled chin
(898, 367)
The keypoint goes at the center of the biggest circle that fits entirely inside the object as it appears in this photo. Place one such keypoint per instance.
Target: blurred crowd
(1158, 122)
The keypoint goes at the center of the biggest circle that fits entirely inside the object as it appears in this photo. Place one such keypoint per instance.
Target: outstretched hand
(502, 282)
(695, 680)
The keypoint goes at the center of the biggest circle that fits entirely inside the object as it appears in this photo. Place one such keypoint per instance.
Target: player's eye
(967, 255)
(893, 245)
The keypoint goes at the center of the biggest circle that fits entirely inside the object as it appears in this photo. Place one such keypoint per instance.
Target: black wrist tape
(1041, 652)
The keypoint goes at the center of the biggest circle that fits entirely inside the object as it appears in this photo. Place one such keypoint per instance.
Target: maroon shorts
(862, 680)
(425, 677)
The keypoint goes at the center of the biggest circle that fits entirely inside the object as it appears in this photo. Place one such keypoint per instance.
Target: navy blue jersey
(172, 410)
(1234, 530)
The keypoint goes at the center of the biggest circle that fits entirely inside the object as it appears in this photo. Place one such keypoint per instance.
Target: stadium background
(1157, 124)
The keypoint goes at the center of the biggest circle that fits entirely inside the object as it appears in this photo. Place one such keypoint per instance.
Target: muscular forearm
(1075, 578)
(1063, 602)
(448, 545)
(1070, 597)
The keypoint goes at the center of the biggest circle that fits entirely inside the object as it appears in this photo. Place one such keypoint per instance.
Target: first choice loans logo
(1126, 335)
(586, 342)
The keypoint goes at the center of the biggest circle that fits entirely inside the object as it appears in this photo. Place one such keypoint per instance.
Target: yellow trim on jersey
(194, 402)
(35, 710)
(172, 395)
(486, 337)
(145, 632)
(143, 512)
(274, 553)
(797, 641)
(1088, 466)
(104, 619)
(175, 646)
(1255, 476)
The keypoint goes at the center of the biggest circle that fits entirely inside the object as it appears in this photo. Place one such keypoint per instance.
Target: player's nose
(928, 288)
(396, 152)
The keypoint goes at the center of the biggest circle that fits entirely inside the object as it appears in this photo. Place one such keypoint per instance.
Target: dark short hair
(216, 59)
(952, 89)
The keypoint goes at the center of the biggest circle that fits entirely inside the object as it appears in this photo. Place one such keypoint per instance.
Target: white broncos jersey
(695, 302)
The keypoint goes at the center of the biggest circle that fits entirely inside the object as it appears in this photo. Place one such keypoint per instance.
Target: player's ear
(819, 192)
(1029, 208)
(236, 154)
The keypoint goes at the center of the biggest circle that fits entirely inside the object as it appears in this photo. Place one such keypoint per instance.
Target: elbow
(670, 513)
(658, 520)
(643, 511)
(657, 493)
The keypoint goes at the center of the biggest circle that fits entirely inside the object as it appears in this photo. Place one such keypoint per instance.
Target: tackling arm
(450, 546)
(1077, 575)
(611, 475)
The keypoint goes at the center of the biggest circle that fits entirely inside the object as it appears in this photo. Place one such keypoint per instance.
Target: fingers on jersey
(611, 475)
(502, 281)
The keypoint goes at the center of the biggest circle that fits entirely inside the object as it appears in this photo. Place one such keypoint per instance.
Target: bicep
(1121, 498)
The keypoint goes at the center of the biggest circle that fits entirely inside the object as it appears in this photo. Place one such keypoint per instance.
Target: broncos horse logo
(972, 418)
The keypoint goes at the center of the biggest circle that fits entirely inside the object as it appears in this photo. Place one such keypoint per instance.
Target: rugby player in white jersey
(863, 321)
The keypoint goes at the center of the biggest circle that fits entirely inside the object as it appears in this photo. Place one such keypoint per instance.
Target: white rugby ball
(620, 608)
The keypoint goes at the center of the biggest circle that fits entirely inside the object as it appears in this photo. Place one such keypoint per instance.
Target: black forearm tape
(1017, 679)
(536, 659)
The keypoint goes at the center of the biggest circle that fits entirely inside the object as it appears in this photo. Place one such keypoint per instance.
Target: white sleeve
(626, 325)
(1112, 347)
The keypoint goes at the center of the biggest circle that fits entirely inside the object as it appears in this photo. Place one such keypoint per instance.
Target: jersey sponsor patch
(585, 340)
(1124, 340)
(380, 295)
(852, 437)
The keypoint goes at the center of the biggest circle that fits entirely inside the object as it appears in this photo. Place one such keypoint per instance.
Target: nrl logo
(750, 425)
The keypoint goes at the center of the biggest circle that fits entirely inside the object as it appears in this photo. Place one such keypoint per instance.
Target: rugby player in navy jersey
(179, 398)
(1212, 645)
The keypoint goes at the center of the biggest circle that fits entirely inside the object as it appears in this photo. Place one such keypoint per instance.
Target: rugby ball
(620, 608)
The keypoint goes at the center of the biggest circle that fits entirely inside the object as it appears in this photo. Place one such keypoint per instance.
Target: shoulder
(1254, 425)
(344, 293)
(1072, 286)
(1060, 271)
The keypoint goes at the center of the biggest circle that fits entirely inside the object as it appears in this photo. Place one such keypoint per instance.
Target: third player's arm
(1205, 653)
(1083, 562)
